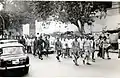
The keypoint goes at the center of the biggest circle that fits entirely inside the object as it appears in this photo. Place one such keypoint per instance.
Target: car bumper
(14, 67)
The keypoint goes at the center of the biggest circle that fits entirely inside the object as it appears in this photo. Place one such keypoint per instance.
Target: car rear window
(12, 50)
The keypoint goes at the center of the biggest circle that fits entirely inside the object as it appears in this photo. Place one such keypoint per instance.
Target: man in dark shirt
(47, 46)
(58, 48)
(35, 46)
(22, 40)
(41, 47)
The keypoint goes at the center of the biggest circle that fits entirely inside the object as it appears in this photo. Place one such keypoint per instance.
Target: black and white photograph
(59, 38)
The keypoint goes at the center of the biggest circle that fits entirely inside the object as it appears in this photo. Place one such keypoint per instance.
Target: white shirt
(87, 43)
(70, 43)
(81, 43)
(28, 42)
(63, 43)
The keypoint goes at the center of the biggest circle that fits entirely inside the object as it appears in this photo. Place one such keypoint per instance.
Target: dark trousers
(68, 52)
(93, 54)
(40, 53)
(29, 49)
(34, 52)
(100, 52)
(58, 53)
(46, 52)
(105, 50)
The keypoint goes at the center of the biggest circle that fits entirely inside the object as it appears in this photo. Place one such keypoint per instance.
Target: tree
(81, 11)
(68, 11)
(22, 12)
(16, 13)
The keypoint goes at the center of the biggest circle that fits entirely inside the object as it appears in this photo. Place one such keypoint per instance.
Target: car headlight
(22, 60)
(9, 62)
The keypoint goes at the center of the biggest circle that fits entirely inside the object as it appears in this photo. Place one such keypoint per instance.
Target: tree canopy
(21, 12)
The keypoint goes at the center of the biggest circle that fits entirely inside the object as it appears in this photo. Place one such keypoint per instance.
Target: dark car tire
(26, 70)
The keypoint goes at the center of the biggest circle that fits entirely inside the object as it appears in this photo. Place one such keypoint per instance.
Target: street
(59, 25)
(50, 67)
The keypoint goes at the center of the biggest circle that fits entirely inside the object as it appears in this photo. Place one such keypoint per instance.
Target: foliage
(68, 11)
(22, 12)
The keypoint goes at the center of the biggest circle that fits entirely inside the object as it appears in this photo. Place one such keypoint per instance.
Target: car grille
(9, 64)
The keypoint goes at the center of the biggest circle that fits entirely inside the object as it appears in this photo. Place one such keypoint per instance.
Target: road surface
(50, 67)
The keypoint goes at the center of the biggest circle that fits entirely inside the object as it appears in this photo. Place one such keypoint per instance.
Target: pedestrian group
(83, 47)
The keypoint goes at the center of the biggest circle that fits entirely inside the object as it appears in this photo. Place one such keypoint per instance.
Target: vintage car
(13, 56)
(8, 41)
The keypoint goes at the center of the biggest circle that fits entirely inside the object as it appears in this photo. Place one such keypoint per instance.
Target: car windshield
(12, 50)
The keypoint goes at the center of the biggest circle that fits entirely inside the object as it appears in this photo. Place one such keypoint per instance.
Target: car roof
(7, 41)
(11, 45)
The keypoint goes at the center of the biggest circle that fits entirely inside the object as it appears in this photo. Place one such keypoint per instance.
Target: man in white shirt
(69, 42)
(63, 41)
(76, 48)
(87, 51)
(81, 41)
(28, 43)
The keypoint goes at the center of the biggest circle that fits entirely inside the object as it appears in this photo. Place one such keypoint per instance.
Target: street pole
(3, 26)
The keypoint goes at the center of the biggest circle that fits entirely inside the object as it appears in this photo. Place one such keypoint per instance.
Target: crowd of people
(35, 46)
(83, 47)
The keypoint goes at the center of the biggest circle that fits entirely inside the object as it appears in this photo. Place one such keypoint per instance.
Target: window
(12, 50)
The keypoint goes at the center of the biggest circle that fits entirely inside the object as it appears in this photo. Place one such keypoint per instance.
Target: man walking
(69, 43)
(100, 44)
(63, 53)
(58, 48)
(47, 46)
(93, 46)
(41, 42)
(75, 46)
(22, 41)
(28, 43)
(105, 49)
(35, 46)
(81, 46)
(87, 51)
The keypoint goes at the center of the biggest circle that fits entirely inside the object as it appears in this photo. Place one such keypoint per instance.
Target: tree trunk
(80, 27)
(79, 30)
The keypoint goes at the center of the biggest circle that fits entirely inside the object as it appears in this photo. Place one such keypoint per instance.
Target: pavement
(50, 67)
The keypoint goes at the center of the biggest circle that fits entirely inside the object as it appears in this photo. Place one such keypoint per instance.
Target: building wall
(115, 10)
(32, 29)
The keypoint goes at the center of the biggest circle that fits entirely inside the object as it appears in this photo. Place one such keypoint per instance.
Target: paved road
(50, 67)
